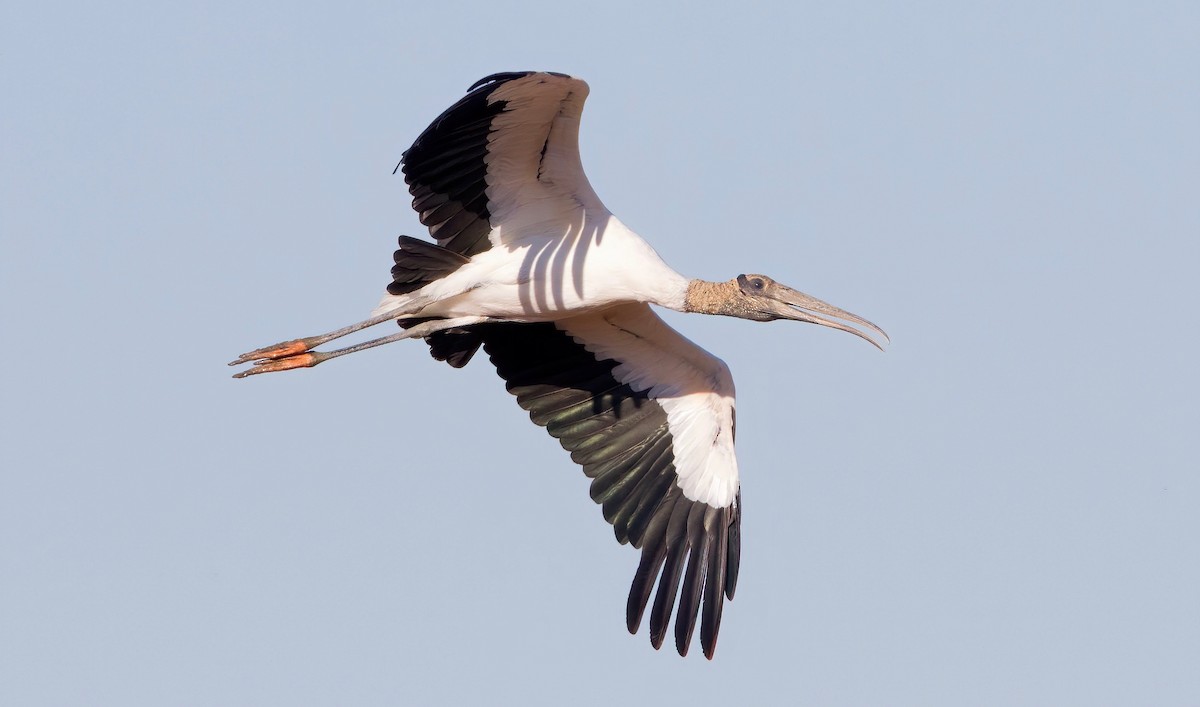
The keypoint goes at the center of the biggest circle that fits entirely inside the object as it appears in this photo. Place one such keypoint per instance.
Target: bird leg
(298, 353)
(298, 346)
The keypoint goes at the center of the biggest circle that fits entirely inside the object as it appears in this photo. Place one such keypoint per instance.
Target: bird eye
(757, 283)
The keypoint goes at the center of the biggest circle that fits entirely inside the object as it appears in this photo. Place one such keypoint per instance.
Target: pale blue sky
(1002, 509)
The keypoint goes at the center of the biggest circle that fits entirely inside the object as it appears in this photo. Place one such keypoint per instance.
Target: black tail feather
(419, 263)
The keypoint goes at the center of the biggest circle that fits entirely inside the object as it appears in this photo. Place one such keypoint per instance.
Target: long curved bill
(793, 304)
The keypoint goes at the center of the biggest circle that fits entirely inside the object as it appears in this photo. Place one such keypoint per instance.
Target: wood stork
(532, 267)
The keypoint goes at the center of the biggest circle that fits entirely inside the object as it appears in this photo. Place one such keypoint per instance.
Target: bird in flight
(531, 267)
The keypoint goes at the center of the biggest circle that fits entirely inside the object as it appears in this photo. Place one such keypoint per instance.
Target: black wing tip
(686, 551)
(506, 76)
(656, 639)
(499, 77)
(681, 647)
(709, 649)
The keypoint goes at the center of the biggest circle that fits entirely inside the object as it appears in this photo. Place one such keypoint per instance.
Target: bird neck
(713, 297)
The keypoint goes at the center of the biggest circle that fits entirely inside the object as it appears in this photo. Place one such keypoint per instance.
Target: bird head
(762, 299)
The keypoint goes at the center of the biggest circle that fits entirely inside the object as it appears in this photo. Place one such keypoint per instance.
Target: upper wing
(650, 416)
(502, 162)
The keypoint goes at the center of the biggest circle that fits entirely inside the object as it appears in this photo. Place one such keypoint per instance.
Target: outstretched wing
(650, 417)
(503, 162)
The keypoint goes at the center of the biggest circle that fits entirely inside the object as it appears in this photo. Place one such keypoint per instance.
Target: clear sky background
(1001, 509)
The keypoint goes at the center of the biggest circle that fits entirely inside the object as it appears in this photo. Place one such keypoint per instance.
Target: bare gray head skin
(759, 298)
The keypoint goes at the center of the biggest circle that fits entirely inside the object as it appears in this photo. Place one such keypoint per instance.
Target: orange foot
(287, 348)
(268, 365)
